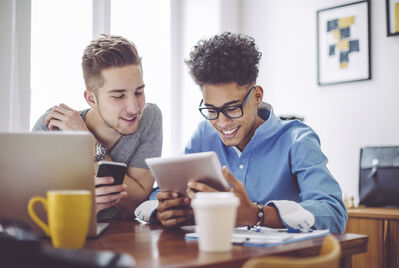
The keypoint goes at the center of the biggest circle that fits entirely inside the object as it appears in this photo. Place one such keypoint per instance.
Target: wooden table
(155, 246)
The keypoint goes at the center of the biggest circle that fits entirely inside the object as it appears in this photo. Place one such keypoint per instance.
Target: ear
(258, 94)
(90, 98)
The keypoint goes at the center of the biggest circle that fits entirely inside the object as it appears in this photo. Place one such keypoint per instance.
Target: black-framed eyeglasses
(230, 111)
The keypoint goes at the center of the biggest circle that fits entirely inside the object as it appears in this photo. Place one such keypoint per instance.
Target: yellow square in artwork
(346, 22)
(343, 65)
(343, 45)
(336, 34)
(397, 17)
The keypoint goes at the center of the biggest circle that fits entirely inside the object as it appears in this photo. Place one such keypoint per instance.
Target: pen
(292, 230)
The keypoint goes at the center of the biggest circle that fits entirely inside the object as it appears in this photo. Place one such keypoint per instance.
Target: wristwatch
(101, 152)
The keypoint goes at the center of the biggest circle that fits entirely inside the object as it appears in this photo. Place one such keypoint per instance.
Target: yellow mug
(68, 216)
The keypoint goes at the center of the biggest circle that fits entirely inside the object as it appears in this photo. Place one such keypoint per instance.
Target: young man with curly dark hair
(276, 168)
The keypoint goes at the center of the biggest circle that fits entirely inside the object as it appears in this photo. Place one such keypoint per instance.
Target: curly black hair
(225, 58)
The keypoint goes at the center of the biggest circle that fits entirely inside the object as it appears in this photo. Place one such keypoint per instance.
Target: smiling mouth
(129, 118)
(230, 131)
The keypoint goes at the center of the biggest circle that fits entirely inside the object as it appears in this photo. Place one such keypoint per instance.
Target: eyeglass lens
(231, 112)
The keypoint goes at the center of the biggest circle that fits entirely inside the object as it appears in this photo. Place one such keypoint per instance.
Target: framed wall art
(343, 43)
(392, 17)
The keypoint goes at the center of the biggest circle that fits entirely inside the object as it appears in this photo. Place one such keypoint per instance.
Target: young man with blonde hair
(125, 127)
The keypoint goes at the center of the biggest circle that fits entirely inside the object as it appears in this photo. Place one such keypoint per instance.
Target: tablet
(173, 173)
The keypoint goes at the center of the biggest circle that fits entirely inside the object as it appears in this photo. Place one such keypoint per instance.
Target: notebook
(264, 236)
(32, 163)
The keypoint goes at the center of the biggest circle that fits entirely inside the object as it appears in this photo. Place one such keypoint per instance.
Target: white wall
(201, 19)
(346, 116)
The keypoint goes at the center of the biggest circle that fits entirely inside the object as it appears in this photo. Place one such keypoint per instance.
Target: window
(60, 32)
(62, 29)
(147, 25)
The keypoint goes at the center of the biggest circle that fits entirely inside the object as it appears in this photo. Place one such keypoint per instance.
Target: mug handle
(33, 215)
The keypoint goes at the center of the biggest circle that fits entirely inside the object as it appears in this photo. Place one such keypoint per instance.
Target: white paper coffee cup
(215, 214)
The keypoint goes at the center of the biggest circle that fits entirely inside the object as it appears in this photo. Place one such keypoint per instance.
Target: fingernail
(174, 194)
(186, 200)
(190, 184)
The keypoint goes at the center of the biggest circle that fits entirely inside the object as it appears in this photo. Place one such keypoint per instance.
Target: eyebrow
(124, 90)
(224, 105)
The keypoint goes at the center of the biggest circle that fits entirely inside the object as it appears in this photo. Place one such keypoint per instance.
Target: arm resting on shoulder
(139, 183)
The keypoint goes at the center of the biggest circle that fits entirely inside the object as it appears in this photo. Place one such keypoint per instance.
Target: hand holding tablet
(173, 173)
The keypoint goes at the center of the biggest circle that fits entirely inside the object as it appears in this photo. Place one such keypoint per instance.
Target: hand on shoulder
(65, 118)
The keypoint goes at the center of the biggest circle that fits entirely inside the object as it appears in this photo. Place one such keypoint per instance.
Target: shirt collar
(237, 150)
(272, 124)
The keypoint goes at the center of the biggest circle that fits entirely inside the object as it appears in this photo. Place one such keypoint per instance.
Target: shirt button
(241, 166)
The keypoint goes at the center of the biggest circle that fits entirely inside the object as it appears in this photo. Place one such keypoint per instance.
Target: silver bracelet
(260, 216)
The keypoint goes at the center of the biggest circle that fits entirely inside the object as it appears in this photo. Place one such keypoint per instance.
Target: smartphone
(117, 170)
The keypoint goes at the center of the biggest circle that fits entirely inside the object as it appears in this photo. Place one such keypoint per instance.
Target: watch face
(101, 152)
(101, 148)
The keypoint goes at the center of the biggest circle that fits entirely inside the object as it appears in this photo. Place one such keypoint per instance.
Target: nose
(132, 106)
(223, 121)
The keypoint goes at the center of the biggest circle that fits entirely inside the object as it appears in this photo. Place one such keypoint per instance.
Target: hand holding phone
(117, 170)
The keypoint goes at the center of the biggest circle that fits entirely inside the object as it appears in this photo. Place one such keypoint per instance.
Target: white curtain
(15, 19)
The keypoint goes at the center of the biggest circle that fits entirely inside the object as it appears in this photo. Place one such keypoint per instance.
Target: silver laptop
(32, 163)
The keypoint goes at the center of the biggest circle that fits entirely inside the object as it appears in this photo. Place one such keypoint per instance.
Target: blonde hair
(106, 52)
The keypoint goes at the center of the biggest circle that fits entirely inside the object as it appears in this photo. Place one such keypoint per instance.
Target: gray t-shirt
(130, 149)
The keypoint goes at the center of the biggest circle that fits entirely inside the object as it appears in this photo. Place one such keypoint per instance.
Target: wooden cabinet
(382, 227)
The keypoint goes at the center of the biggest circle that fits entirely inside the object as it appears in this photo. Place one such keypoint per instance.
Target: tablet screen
(173, 173)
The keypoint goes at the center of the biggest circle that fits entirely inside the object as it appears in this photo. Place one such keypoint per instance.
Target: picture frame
(343, 43)
(392, 8)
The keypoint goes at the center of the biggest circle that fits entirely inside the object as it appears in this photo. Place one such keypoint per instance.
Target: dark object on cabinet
(379, 176)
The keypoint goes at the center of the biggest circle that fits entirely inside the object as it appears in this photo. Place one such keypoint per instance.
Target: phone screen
(112, 169)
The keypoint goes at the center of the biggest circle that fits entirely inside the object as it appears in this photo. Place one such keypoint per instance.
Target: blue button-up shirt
(282, 161)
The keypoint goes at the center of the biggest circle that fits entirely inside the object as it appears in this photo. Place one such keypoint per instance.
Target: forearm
(271, 217)
(137, 193)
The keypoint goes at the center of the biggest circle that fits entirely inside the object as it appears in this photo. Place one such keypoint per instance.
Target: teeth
(127, 118)
(228, 131)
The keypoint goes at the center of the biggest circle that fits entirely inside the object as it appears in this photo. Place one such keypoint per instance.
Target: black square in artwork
(344, 56)
(332, 25)
(331, 51)
(345, 33)
(354, 45)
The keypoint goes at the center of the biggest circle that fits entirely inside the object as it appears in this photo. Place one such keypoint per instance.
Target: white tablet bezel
(173, 173)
